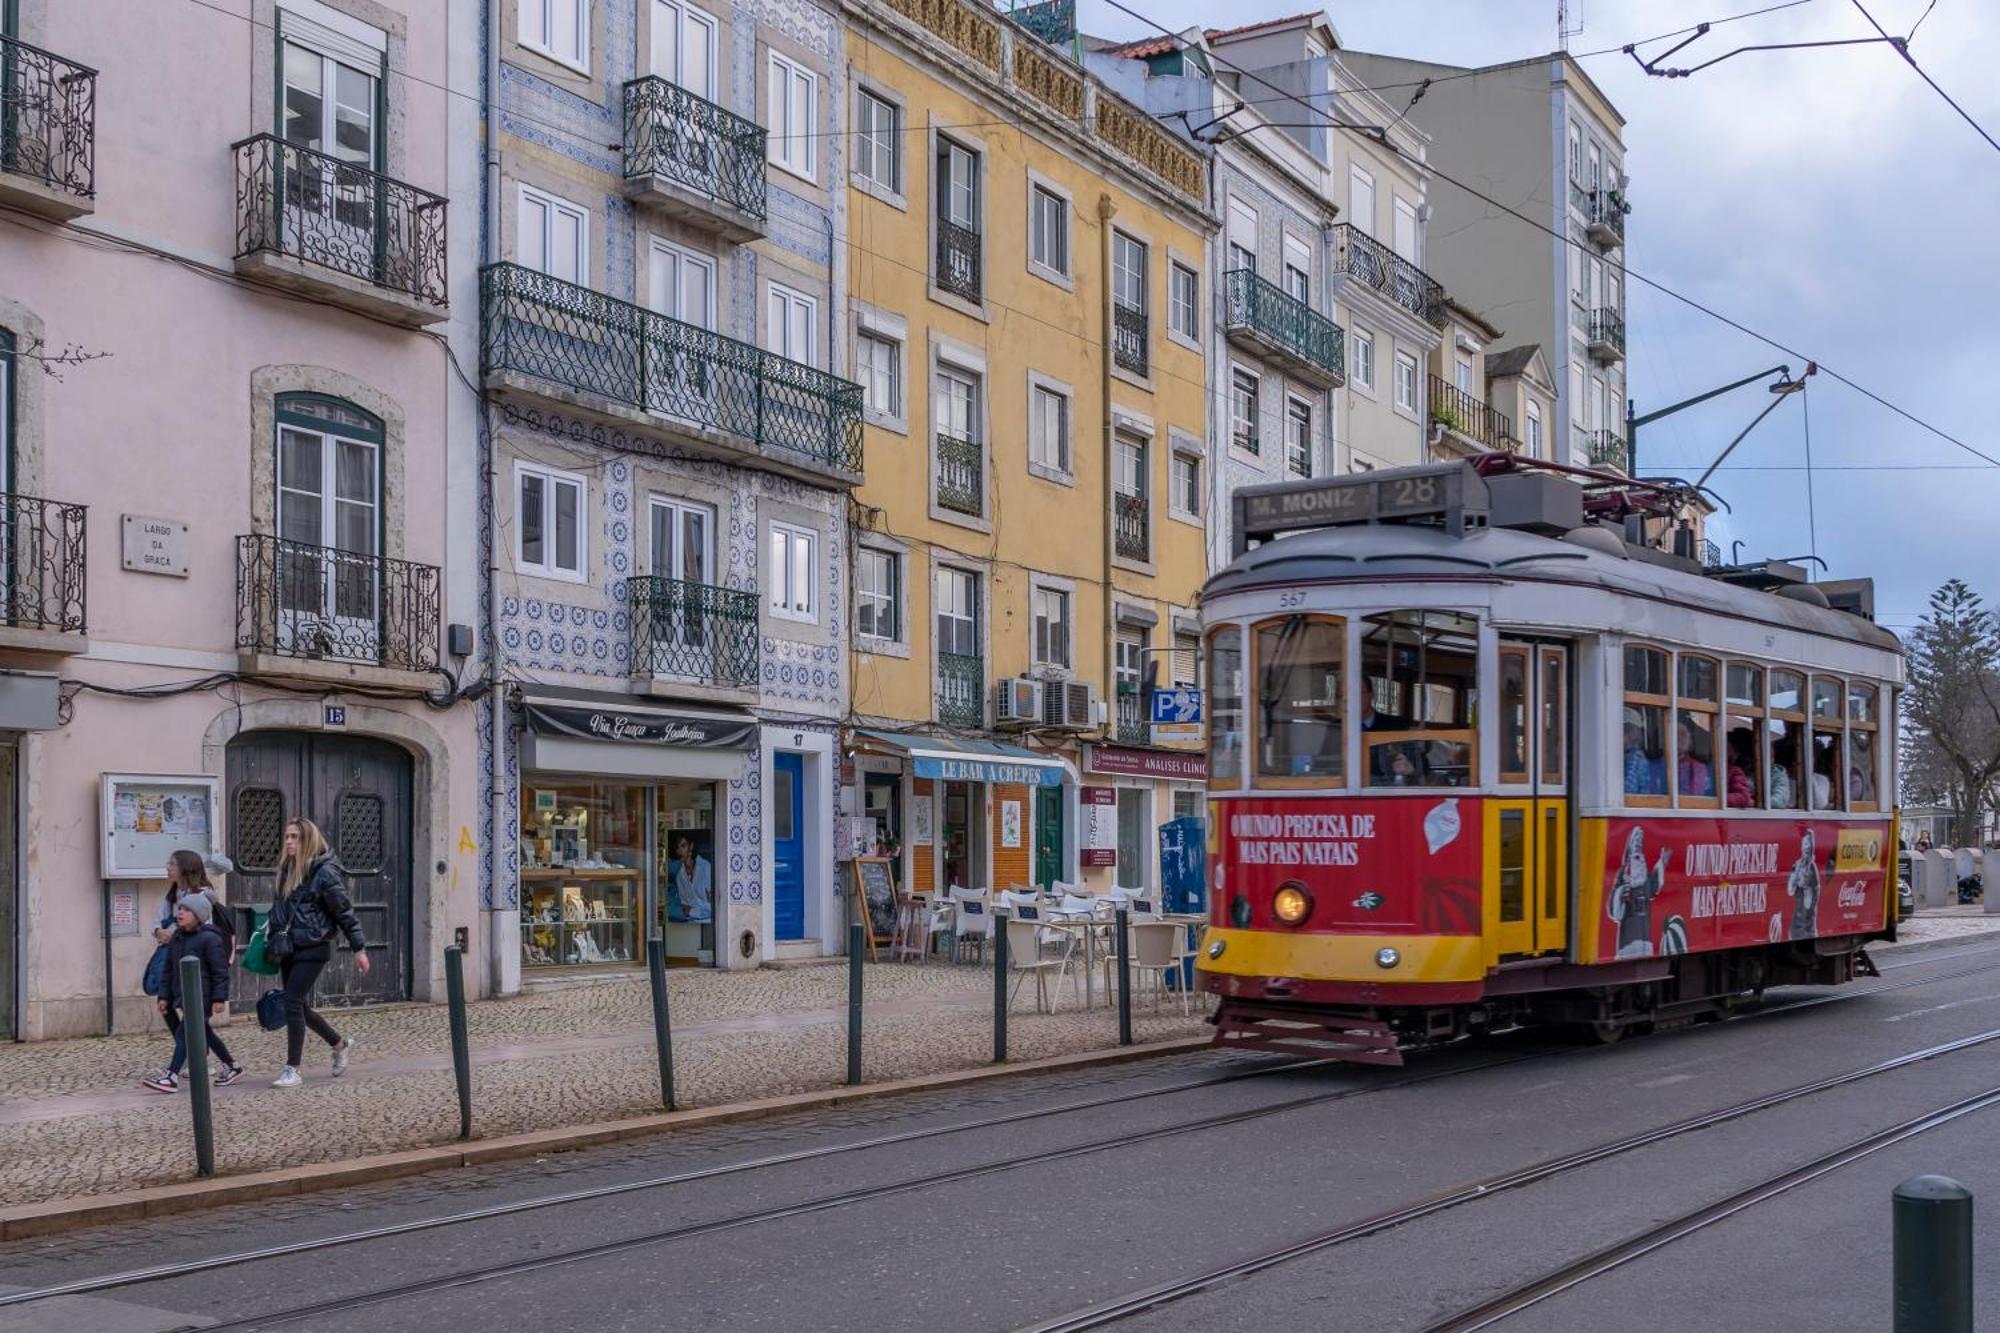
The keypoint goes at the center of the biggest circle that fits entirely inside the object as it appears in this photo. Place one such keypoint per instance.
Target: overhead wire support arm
(1653, 68)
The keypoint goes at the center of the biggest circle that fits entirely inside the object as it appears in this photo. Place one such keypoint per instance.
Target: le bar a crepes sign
(611, 724)
(1128, 762)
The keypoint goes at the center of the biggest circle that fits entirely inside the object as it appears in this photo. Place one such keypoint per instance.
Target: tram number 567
(1292, 597)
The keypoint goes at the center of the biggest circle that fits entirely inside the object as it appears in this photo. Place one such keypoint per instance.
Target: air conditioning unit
(1017, 702)
(1070, 705)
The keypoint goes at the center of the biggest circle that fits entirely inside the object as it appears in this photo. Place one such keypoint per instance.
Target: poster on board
(1098, 807)
(1010, 823)
(147, 817)
(922, 814)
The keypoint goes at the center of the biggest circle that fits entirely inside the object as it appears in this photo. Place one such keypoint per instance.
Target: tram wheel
(1607, 1031)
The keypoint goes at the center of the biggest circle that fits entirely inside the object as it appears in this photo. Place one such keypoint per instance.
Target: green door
(1048, 835)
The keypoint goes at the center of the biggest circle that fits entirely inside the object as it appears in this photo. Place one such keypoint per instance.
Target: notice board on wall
(146, 817)
(1098, 843)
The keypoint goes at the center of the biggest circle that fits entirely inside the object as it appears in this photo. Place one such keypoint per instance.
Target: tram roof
(1362, 553)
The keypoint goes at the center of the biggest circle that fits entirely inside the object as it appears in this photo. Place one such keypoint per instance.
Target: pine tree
(1952, 702)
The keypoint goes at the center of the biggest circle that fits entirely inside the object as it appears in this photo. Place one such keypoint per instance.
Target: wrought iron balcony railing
(961, 475)
(1129, 345)
(1265, 309)
(1129, 515)
(693, 631)
(1711, 554)
(1607, 330)
(958, 260)
(1606, 216)
(961, 690)
(1607, 449)
(547, 329)
(336, 215)
(1460, 411)
(43, 562)
(1373, 264)
(294, 599)
(694, 143)
(48, 119)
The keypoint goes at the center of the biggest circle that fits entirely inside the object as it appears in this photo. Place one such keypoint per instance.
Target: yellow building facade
(1024, 256)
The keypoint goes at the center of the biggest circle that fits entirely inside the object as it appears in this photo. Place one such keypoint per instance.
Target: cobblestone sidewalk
(74, 1120)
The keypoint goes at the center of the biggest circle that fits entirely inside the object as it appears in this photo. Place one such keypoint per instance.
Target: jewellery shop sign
(609, 724)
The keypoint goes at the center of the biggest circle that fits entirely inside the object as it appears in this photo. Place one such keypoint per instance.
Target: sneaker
(228, 1075)
(289, 1079)
(340, 1054)
(164, 1081)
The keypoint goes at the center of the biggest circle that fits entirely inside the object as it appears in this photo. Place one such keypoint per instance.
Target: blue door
(788, 851)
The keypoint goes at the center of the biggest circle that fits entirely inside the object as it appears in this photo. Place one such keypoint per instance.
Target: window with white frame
(1185, 663)
(1298, 436)
(792, 123)
(1406, 381)
(1183, 301)
(1184, 482)
(1048, 230)
(1361, 199)
(1052, 627)
(1298, 270)
(1048, 427)
(1576, 390)
(878, 141)
(878, 594)
(792, 329)
(1534, 440)
(1461, 374)
(1242, 237)
(552, 236)
(791, 575)
(1243, 409)
(1575, 153)
(878, 362)
(1128, 272)
(684, 46)
(957, 612)
(549, 522)
(1364, 358)
(558, 28)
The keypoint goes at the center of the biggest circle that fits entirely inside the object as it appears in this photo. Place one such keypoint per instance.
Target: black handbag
(271, 1009)
(278, 942)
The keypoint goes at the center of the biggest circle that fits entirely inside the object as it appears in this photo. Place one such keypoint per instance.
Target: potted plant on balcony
(1447, 416)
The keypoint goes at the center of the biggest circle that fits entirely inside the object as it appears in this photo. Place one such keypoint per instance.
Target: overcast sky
(1824, 197)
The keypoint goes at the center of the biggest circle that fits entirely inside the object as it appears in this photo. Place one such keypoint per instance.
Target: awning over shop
(967, 760)
(581, 731)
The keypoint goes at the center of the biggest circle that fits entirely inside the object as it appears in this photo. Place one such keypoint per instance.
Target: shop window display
(582, 868)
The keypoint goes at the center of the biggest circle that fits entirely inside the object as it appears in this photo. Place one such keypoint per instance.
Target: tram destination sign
(1452, 492)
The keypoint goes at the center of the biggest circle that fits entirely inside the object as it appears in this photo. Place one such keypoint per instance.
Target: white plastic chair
(1157, 949)
(1024, 958)
(972, 920)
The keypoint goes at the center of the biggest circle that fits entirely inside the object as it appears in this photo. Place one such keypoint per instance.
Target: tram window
(1746, 686)
(1788, 692)
(1513, 714)
(1299, 733)
(1421, 668)
(1225, 667)
(1694, 731)
(1861, 752)
(1744, 735)
(1645, 717)
(1828, 716)
(1553, 715)
(1826, 702)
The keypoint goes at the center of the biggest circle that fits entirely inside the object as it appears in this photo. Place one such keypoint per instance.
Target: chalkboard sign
(875, 899)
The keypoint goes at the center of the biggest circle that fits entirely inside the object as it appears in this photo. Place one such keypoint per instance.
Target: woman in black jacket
(195, 936)
(311, 904)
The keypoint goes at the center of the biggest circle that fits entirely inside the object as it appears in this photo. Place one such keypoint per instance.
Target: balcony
(1607, 449)
(1465, 416)
(1267, 321)
(1607, 335)
(1132, 726)
(686, 154)
(320, 613)
(961, 476)
(693, 634)
(554, 344)
(48, 132)
(329, 229)
(1604, 217)
(1129, 346)
(1367, 262)
(1129, 535)
(958, 261)
(43, 561)
(961, 690)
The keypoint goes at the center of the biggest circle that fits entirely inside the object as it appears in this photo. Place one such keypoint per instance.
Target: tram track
(1103, 1313)
(187, 1268)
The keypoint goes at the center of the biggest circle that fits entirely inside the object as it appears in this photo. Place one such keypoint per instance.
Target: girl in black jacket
(195, 936)
(311, 904)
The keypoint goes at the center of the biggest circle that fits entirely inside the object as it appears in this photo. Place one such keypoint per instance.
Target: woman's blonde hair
(312, 846)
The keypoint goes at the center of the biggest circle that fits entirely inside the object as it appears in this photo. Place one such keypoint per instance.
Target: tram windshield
(1420, 699)
(1299, 733)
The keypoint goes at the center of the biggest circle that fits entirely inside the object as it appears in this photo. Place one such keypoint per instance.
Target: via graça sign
(611, 724)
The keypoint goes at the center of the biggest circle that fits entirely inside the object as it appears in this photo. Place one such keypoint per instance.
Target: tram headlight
(1386, 957)
(1291, 904)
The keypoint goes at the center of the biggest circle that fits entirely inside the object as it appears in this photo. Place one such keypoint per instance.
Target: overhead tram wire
(1902, 45)
(1371, 133)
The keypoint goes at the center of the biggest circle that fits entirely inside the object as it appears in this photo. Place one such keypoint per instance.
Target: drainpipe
(1106, 210)
(502, 925)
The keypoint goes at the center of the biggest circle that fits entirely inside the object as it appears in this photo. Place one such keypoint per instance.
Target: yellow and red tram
(1477, 760)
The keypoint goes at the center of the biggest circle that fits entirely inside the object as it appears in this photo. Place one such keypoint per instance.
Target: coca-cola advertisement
(1685, 885)
(1405, 864)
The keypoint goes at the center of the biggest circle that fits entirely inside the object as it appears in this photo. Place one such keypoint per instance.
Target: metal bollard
(663, 1034)
(461, 1040)
(1933, 1245)
(1124, 977)
(1000, 994)
(855, 944)
(194, 1029)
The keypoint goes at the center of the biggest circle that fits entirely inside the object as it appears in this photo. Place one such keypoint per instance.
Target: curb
(1942, 942)
(58, 1215)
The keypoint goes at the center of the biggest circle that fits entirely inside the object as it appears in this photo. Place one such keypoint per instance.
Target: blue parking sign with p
(1178, 704)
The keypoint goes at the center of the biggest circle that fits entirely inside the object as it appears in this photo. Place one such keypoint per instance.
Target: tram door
(1527, 827)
